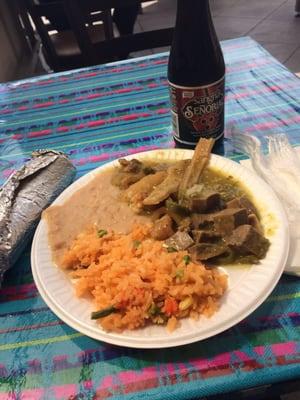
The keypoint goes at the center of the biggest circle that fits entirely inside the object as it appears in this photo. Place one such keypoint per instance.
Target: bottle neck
(195, 58)
(192, 13)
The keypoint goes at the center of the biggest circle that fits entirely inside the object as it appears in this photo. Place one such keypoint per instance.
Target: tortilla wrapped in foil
(25, 195)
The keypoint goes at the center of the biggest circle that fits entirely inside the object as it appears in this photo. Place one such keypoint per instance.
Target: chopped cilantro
(136, 244)
(187, 259)
(101, 233)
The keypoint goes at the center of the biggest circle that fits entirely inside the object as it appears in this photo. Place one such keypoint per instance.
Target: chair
(24, 21)
(61, 48)
(114, 48)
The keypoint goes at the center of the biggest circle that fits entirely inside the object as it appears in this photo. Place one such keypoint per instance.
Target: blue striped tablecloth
(98, 114)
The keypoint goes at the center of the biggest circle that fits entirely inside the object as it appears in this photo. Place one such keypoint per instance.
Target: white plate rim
(170, 340)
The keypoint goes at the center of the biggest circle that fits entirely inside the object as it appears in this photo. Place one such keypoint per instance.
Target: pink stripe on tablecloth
(126, 377)
(30, 394)
(203, 363)
(273, 124)
(280, 349)
(65, 391)
(241, 355)
(110, 156)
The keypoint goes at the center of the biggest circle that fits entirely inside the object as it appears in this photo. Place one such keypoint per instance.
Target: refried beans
(96, 203)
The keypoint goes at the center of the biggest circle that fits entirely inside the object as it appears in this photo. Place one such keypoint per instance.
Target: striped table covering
(98, 114)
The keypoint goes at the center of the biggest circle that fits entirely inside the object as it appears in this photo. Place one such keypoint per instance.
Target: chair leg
(297, 7)
(108, 24)
(43, 60)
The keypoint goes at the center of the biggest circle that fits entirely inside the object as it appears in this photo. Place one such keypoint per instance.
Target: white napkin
(280, 168)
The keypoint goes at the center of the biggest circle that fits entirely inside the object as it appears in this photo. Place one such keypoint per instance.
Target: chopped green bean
(103, 313)
(171, 249)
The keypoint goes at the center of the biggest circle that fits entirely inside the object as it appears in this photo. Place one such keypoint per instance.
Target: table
(98, 114)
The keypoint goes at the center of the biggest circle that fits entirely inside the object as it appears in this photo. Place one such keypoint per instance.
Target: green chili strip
(171, 249)
(103, 313)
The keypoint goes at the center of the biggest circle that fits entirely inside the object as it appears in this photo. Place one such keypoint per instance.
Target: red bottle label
(197, 112)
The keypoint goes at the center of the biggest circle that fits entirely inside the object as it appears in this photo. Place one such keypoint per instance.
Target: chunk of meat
(202, 221)
(205, 251)
(130, 171)
(158, 213)
(227, 220)
(130, 165)
(184, 224)
(234, 203)
(248, 205)
(137, 192)
(242, 202)
(222, 222)
(247, 240)
(207, 201)
(201, 236)
(254, 221)
(124, 179)
(162, 228)
(180, 241)
(169, 185)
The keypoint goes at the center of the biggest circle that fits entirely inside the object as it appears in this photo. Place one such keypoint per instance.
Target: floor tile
(249, 8)
(220, 7)
(161, 49)
(157, 21)
(293, 63)
(280, 51)
(141, 53)
(230, 27)
(286, 12)
(159, 6)
(277, 31)
(137, 26)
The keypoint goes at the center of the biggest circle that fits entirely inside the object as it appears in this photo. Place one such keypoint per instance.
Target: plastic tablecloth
(98, 114)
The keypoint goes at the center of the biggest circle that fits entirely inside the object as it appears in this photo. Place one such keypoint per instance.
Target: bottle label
(197, 112)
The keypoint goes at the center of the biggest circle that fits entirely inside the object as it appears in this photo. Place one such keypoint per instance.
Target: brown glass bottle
(196, 74)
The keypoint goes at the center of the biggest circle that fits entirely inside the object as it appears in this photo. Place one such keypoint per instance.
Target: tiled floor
(271, 22)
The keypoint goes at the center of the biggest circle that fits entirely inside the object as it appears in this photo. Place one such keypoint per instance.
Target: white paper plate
(248, 287)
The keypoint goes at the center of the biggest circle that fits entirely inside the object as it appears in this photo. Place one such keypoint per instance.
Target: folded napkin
(280, 168)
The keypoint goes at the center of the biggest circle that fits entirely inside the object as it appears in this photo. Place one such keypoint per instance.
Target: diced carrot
(170, 306)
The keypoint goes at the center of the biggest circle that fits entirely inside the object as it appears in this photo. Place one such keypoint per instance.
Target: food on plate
(143, 239)
(135, 280)
(96, 203)
(210, 213)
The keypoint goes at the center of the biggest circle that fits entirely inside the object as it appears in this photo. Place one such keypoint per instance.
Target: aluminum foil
(24, 196)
